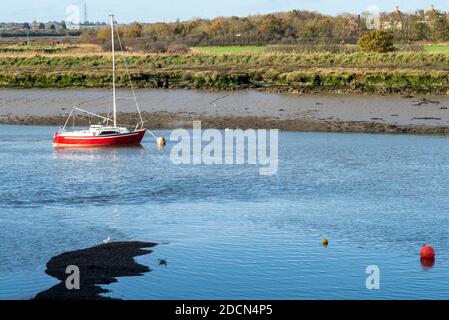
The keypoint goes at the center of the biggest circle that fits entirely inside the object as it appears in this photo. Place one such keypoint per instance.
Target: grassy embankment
(234, 68)
(436, 48)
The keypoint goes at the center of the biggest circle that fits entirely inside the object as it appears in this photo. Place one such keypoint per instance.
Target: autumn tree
(294, 27)
(133, 30)
(440, 27)
(104, 34)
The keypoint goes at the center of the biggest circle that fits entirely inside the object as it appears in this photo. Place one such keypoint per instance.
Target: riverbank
(166, 109)
(305, 73)
(172, 121)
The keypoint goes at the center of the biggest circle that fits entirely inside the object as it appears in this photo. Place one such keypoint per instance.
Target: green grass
(436, 48)
(231, 49)
(278, 62)
(397, 72)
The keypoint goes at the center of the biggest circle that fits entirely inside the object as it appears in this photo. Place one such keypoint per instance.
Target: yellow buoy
(325, 242)
(161, 141)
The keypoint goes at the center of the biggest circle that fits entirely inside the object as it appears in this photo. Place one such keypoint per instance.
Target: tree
(271, 26)
(295, 27)
(376, 41)
(53, 27)
(217, 27)
(418, 32)
(103, 34)
(132, 31)
(180, 28)
(26, 25)
(324, 27)
(440, 28)
(41, 26)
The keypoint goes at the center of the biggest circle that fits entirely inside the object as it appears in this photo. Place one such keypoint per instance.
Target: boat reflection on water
(94, 152)
(109, 147)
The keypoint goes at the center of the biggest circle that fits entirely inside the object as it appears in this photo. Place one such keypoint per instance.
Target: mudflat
(174, 108)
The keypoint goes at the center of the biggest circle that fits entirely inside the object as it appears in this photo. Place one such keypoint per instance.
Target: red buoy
(427, 252)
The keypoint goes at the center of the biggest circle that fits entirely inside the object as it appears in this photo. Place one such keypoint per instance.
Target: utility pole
(114, 109)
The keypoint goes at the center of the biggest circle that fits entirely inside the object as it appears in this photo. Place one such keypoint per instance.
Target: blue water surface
(226, 231)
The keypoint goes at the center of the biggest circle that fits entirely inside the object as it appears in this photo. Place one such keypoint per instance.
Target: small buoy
(161, 141)
(325, 242)
(427, 252)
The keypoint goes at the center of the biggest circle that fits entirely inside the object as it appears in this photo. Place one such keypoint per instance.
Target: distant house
(393, 21)
(35, 26)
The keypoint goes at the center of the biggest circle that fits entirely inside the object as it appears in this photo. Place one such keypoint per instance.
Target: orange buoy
(161, 141)
(325, 242)
(427, 252)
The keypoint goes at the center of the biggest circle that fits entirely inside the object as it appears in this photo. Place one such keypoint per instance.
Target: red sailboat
(104, 134)
(99, 135)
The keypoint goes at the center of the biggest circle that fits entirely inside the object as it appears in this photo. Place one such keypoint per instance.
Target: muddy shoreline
(168, 109)
(163, 120)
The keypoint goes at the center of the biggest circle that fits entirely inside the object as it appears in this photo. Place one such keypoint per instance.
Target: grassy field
(398, 72)
(32, 48)
(436, 48)
(35, 49)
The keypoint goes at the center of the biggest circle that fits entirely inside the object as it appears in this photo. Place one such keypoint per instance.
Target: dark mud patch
(99, 265)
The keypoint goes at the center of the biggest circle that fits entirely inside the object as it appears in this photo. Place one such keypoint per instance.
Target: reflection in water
(427, 264)
(160, 147)
(92, 152)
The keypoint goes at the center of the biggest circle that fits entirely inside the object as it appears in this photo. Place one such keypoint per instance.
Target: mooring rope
(129, 75)
(131, 83)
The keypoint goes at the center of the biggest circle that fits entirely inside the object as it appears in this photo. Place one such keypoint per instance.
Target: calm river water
(226, 231)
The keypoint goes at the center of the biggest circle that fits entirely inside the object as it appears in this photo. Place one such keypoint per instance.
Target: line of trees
(281, 28)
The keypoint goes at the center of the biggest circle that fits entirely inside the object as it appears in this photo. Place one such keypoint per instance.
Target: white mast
(114, 109)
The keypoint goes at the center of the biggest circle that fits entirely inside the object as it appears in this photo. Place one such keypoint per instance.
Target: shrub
(152, 47)
(178, 49)
(142, 44)
(107, 45)
(376, 41)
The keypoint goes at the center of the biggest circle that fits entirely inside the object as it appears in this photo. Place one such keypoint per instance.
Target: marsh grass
(401, 71)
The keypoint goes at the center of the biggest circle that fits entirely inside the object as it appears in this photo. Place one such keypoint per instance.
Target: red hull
(109, 140)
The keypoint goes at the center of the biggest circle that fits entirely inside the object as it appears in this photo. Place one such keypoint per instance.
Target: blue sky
(170, 10)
